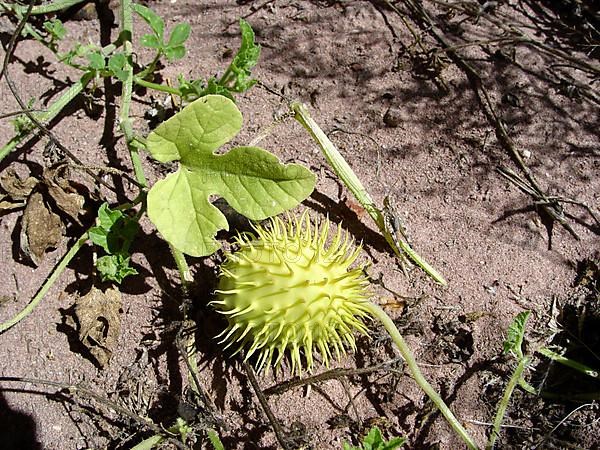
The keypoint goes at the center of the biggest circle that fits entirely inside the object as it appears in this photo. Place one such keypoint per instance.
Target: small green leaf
(151, 18)
(115, 231)
(182, 428)
(179, 35)
(250, 179)
(114, 268)
(516, 332)
(374, 441)
(79, 51)
(173, 53)
(55, 28)
(214, 439)
(99, 237)
(213, 87)
(117, 64)
(108, 217)
(151, 41)
(21, 123)
(96, 60)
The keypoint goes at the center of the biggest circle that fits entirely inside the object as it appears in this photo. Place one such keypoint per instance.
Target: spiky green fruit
(287, 289)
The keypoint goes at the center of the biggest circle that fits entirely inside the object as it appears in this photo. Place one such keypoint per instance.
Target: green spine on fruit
(286, 289)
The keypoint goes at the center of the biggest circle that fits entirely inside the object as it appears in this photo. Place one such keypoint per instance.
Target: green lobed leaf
(115, 231)
(108, 217)
(179, 35)
(78, 51)
(250, 179)
(55, 28)
(157, 24)
(516, 332)
(213, 87)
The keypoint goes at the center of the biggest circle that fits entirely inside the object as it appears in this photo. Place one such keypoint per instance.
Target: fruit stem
(418, 376)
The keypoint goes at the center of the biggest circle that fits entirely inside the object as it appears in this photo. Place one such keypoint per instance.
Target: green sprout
(114, 233)
(375, 441)
(173, 47)
(56, 32)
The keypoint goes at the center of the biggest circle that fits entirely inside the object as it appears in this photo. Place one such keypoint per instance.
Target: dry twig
(330, 375)
(266, 408)
(549, 206)
(76, 390)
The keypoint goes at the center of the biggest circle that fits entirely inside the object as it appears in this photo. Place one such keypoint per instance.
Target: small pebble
(392, 117)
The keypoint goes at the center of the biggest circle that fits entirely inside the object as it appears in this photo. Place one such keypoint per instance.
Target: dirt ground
(419, 136)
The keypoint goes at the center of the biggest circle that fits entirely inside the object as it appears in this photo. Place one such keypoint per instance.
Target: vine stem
(58, 270)
(51, 113)
(124, 119)
(510, 387)
(133, 146)
(157, 87)
(55, 6)
(189, 342)
(408, 356)
(182, 266)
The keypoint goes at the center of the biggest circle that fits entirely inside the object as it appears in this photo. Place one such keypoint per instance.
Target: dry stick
(524, 39)
(583, 65)
(563, 421)
(13, 40)
(551, 208)
(17, 113)
(527, 189)
(198, 390)
(329, 375)
(266, 408)
(74, 390)
(344, 383)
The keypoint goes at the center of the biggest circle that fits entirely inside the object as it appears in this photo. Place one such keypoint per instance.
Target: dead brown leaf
(15, 187)
(99, 316)
(67, 199)
(17, 190)
(8, 204)
(41, 229)
(62, 193)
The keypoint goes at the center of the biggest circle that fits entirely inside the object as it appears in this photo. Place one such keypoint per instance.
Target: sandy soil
(431, 148)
